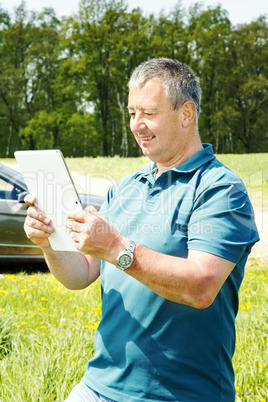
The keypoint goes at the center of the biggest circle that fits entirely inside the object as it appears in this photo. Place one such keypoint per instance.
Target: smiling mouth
(148, 138)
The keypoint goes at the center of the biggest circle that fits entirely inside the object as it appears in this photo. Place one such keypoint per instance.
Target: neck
(186, 152)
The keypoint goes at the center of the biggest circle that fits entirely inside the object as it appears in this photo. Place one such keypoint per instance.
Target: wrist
(125, 258)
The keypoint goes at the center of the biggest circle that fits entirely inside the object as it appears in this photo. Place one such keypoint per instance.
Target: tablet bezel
(47, 176)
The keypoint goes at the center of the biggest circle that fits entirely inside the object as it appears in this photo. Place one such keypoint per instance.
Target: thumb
(91, 209)
(29, 199)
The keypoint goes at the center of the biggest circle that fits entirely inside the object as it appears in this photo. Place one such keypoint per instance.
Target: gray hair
(178, 80)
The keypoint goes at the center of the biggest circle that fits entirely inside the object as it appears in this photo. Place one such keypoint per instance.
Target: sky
(240, 11)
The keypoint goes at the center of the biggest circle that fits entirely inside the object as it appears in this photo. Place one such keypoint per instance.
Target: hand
(93, 235)
(37, 225)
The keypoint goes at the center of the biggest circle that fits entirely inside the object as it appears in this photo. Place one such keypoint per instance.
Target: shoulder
(216, 175)
(132, 179)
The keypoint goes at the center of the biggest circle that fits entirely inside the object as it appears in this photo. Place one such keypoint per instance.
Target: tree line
(63, 82)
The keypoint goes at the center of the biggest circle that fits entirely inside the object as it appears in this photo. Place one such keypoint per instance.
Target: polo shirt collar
(197, 160)
(192, 164)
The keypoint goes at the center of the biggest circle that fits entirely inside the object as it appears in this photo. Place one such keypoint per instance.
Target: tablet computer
(48, 178)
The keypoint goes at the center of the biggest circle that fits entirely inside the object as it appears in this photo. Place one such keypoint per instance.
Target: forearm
(193, 281)
(74, 270)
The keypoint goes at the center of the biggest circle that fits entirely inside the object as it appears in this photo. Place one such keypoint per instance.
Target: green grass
(251, 356)
(47, 335)
(252, 168)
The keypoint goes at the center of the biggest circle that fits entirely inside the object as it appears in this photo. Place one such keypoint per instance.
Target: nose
(137, 124)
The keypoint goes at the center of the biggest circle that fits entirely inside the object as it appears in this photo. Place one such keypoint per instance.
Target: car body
(14, 244)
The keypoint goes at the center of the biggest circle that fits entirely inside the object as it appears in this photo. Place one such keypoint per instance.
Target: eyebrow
(142, 108)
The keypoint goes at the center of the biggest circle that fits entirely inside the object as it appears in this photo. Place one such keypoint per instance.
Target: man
(180, 231)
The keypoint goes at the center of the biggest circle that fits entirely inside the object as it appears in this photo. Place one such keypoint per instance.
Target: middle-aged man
(170, 243)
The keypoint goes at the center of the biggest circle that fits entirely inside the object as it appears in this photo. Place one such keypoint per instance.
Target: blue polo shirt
(148, 348)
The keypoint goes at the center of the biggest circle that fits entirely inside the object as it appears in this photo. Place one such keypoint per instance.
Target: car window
(9, 191)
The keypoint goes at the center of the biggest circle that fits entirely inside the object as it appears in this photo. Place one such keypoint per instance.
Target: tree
(107, 42)
(209, 33)
(63, 83)
(16, 39)
(248, 46)
(169, 37)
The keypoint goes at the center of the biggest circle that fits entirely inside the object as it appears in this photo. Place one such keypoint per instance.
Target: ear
(188, 111)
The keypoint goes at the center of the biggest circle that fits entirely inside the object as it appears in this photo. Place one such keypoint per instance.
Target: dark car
(14, 244)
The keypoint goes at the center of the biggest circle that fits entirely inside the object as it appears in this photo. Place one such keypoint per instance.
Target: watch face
(125, 260)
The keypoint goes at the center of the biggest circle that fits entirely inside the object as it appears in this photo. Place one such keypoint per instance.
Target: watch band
(131, 246)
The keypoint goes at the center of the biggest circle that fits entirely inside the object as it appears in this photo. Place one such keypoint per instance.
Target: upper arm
(222, 223)
(93, 268)
(212, 271)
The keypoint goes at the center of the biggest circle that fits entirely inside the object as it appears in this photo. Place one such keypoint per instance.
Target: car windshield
(8, 172)
(11, 183)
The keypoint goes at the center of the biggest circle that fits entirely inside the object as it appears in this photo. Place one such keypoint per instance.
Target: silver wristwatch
(125, 258)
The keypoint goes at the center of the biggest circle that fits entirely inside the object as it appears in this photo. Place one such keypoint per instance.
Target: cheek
(136, 138)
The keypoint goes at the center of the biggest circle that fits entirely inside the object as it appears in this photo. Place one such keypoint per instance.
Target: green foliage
(64, 82)
(41, 130)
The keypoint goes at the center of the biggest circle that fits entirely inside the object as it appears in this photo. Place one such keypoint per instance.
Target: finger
(75, 226)
(76, 237)
(33, 232)
(29, 199)
(39, 225)
(91, 209)
(35, 213)
(79, 216)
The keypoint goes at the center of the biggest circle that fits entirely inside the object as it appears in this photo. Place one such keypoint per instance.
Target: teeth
(148, 138)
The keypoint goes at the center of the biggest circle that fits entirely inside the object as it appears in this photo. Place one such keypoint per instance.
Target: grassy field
(47, 332)
(252, 168)
(47, 335)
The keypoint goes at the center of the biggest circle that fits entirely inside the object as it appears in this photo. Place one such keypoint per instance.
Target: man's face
(155, 125)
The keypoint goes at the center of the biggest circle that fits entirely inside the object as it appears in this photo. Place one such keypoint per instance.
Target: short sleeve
(222, 222)
(104, 209)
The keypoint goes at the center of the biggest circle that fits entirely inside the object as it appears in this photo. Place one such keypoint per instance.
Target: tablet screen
(48, 178)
